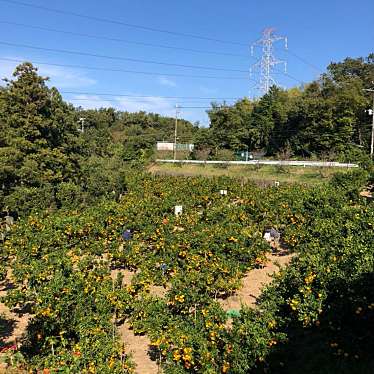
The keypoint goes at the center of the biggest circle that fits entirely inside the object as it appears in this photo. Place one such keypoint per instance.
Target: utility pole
(268, 60)
(82, 120)
(176, 131)
(372, 124)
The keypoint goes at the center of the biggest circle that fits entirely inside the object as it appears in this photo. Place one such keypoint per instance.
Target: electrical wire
(194, 107)
(277, 71)
(66, 51)
(139, 43)
(148, 96)
(305, 61)
(87, 67)
(98, 19)
(121, 23)
(97, 99)
(119, 40)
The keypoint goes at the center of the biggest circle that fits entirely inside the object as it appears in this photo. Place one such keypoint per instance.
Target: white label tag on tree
(178, 210)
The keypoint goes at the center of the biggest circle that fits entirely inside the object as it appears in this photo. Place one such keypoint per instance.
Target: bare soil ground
(139, 347)
(158, 291)
(13, 324)
(368, 192)
(126, 274)
(255, 281)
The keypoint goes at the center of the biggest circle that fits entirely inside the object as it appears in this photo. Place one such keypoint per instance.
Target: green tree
(38, 138)
(230, 125)
(139, 132)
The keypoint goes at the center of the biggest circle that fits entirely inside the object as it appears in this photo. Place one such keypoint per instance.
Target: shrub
(69, 195)
(224, 155)
(351, 183)
(25, 200)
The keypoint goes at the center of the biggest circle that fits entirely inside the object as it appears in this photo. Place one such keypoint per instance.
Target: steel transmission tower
(268, 60)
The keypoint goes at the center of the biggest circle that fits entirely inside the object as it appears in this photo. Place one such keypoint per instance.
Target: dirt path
(138, 346)
(127, 276)
(255, 281)
(13, 325)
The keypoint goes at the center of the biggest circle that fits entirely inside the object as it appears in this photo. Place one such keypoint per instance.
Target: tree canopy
(325, 116)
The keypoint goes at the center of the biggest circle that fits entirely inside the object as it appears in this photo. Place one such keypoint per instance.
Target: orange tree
(60, 276)
(62, 258)
(324, 302)
(59, 259)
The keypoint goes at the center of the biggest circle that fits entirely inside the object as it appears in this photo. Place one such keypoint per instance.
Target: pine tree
(38, 137)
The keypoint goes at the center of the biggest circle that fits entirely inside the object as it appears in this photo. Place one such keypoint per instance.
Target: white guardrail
(266, 162)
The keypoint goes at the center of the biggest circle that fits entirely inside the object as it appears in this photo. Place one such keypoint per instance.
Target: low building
(167, 146)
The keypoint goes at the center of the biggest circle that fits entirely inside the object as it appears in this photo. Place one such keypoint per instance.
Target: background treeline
(46, 162)
(327, 117)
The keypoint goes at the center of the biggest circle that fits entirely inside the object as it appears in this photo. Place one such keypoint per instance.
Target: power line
(120, 23)
(58, 11)
(149, 96)
(111, 100)
(292, 77)
(195, 107)
(66, 51)
(289, 76)
(305, 61)
(119, 40)
(86, 67)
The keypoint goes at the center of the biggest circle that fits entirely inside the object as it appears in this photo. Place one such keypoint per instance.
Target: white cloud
(66, 78)
(69, 78)
(167, 82)
(60, 77)
(130, 104)
(150, 104)
(91, 102)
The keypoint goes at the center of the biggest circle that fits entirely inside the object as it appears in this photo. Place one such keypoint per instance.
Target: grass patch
(256, 173)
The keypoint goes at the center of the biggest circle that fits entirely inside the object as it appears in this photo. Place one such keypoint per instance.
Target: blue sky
(318, 31)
